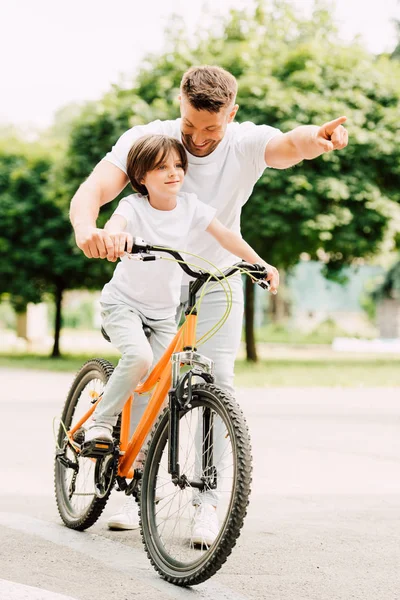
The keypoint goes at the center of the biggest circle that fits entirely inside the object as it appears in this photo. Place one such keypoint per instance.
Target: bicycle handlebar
(257, 271)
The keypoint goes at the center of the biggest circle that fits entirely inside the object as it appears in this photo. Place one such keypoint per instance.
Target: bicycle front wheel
(190, 528)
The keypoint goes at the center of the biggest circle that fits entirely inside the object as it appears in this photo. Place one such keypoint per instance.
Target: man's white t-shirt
(223, 180)
(154, 286)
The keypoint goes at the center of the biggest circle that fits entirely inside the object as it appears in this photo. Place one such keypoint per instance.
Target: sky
(54, 52)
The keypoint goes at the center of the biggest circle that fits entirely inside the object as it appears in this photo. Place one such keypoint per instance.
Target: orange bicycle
(199, 449)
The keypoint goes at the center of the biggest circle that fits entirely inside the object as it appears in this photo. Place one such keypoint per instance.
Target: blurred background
(76, 76)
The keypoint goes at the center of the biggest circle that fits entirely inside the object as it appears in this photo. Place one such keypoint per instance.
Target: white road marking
(18, 591)
(114, 555)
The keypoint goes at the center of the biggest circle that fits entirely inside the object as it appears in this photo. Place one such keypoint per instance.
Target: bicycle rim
(214, 444)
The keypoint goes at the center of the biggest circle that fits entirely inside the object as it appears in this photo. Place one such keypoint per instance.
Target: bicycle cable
(224, 280)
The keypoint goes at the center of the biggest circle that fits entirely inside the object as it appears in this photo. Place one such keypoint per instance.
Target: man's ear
(232, 113)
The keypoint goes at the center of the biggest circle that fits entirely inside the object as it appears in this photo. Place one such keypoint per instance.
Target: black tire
(208, 563)
(76, 405)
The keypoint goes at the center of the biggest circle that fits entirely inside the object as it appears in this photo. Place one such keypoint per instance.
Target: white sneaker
(205, 526)
(127, 518)
(99, 432)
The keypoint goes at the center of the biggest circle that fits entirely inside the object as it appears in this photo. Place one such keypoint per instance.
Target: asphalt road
(323, 523)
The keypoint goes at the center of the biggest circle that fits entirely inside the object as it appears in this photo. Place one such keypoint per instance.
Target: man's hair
(209, 88)
(148, 153)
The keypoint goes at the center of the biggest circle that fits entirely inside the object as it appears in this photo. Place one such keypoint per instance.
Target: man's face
(202, 131)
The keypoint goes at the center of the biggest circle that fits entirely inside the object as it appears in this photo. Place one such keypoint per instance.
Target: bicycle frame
(165, 371)
(161, 375)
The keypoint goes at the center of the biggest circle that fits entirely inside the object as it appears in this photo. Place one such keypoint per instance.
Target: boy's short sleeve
(252, 140)
(203, 213)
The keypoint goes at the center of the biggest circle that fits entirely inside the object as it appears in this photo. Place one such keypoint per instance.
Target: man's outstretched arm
(305, 142)
(103, 185)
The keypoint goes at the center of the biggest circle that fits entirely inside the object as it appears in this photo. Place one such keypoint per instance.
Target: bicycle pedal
(97, 448)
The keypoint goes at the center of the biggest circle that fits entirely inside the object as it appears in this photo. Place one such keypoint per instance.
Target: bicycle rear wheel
(214, 447)
(83, 485)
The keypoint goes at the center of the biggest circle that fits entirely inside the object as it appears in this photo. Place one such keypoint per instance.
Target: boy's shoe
(99, 432)
(127, 518)
(98, 442)
(205, 526)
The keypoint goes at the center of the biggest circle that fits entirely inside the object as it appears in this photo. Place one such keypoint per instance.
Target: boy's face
(166, 180)
(202, 131)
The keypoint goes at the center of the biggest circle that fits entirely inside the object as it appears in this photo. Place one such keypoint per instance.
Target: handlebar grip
(264, 284)
(138, 245)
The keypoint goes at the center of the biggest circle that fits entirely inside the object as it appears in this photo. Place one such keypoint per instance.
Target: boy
(148, 293)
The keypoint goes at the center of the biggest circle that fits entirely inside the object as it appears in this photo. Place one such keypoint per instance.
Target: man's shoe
(205, 526)
(127, 518)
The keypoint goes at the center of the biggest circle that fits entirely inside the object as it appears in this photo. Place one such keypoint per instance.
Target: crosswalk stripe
(114, 555)
(19, 591)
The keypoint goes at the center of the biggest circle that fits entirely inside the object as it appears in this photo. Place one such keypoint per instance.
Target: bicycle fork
(180, 399)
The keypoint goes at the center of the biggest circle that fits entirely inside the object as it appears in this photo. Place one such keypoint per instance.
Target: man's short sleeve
(252, 140)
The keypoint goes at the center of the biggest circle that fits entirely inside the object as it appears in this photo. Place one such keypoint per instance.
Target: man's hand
(94, 242)
(332, 136)
(312, 141)
(272, 277)
(98, 243)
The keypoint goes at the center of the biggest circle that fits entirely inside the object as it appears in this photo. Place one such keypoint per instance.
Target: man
(225, 161)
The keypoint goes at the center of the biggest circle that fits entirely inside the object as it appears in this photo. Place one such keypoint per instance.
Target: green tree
(291, 70)
(294, 71)
(40, 256)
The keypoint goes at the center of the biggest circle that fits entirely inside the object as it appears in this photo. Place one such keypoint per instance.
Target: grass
(343, 371)
(313, 371)
(324, 333)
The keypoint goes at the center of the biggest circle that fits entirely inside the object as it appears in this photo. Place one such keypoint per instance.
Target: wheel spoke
(77, 500)
(170, 526)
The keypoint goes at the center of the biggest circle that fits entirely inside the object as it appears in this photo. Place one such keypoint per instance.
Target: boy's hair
(209, 88)
(148, 153)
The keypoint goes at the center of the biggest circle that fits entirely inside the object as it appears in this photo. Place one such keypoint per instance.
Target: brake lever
(141, 256)
(264, 284)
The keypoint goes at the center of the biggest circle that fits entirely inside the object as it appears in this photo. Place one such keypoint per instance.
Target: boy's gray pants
(124, 326)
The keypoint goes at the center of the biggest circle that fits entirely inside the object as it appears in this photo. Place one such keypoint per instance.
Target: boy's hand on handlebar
(122, 242)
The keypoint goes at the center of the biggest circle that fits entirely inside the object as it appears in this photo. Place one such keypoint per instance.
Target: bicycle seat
(147, 332)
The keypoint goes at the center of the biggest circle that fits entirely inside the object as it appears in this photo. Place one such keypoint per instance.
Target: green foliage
(290, 71)
(295, 71)
(36, 236)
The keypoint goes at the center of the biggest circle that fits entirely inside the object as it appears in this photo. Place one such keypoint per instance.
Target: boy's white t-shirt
(154, 286)
(224, 180)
